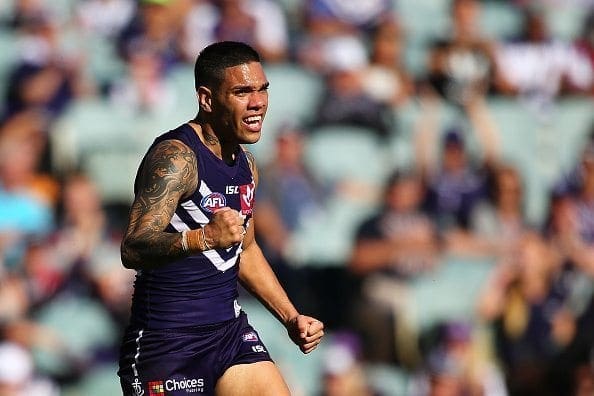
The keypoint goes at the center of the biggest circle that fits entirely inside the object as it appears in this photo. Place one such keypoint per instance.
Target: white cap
(338, 359)
(342, 53)
(16, 364)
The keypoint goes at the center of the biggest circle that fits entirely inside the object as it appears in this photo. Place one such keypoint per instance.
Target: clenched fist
(225, 229)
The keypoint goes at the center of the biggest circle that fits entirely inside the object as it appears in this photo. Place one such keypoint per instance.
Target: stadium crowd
(426, 185)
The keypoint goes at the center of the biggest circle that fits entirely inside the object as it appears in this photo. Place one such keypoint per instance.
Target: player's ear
(204, 98)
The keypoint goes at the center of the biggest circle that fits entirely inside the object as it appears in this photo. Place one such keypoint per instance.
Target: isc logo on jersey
(213, 202)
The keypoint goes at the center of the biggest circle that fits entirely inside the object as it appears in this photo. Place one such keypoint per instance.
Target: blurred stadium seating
(351, 160)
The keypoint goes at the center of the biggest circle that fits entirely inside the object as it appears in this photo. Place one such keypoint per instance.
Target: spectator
(18, 376)
(400, 239)
(455, 366)
(26, 131)
(455, 183)
(385, 79)
(461, 67)
(343, 371)
(527, 306)
(345, 101)
(44, 76)
(257, 22)
(391, 248)
(573, 180)
(571, 219)
(155, 25)
(562, 232)
(87, 247)
(260, 23)
(455, 190)
(331, 16)
(326, 20)
(105, 18)
(288, 195)
(144, 88)
(498, 221)
(24, 288)
(76, 269)
(198, 28)
(26, 196)
(539, 67)
(566, 231)
(44, 88)
(584, 201)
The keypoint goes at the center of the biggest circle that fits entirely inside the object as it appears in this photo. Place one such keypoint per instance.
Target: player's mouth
(253, 123)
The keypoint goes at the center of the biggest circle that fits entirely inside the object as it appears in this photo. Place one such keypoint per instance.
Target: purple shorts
(186, 360)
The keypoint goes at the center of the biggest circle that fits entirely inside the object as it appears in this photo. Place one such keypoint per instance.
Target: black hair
(215, 58)
(400, 175)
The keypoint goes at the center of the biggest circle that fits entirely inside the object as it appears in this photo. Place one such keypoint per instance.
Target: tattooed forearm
(169, 172)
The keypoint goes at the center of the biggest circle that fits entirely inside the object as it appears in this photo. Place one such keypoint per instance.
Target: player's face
(242, 102)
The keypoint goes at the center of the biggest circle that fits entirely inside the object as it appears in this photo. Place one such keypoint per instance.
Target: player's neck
(223, 149)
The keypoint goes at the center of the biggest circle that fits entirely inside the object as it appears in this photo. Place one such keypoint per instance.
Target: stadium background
(86, 85)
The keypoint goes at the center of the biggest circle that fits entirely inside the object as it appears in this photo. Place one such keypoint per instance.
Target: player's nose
(258, 100)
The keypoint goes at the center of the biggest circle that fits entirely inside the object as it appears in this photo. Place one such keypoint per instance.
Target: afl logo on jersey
(213, 202)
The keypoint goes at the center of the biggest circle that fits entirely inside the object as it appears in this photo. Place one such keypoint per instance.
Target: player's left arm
(256, 275)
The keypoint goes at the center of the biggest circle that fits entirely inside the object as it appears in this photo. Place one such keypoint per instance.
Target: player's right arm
(169, 173)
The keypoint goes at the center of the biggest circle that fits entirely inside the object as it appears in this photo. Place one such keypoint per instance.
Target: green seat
(81, 326)
(416, 14)
(90, 125)
(104, 62)
(388, 380)
(542, 145)
(181, 78)
(437, 295)
(565, 19)
(113, 172)
(500, 20)
(6, 7)
(293, 96)
(9, 51)
(327, 239)
(401, 147)
(419, 34)
(337, 153)
(87, 125)
(573, 121)
(99, 381)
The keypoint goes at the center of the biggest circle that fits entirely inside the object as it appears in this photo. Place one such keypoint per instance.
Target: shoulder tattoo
(168, 173)
(251, 160)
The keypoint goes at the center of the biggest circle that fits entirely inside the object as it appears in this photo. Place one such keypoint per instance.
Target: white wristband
(184, 241)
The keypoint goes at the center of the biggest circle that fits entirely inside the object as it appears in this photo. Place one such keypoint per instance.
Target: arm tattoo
(169, 172)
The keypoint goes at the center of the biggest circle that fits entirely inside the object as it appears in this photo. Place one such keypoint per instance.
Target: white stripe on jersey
(204, 189)
(194, 211)
(137, 355)
(218, 261)
(199, 217)
(178, 223)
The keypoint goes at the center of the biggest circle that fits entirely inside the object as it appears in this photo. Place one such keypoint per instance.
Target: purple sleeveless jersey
(200, 289)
